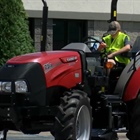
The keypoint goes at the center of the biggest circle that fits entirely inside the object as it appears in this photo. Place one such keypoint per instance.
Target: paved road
(12, 135)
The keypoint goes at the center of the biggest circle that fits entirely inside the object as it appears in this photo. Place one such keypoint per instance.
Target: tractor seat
(135, 48)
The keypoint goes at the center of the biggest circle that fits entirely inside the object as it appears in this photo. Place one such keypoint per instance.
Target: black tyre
(76, 119)
(134, 119)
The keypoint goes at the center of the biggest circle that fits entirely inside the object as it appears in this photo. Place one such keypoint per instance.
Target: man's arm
(124, 49)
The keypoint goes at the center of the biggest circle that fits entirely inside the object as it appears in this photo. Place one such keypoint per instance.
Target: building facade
(71, 21)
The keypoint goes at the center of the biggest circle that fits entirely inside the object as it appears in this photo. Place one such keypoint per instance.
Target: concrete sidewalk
(15, 135)
(20, 133)
(122, 136)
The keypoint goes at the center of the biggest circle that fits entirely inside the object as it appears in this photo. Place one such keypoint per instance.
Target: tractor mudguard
(133, 86)
(128, 84)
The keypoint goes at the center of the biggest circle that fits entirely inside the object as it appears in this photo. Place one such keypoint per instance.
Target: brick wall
(37, 29)
(97, 28)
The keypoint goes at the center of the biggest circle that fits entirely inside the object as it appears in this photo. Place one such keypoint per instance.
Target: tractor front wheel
(76, 119)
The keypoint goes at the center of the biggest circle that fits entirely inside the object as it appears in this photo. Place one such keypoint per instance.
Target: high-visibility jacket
(116, 45)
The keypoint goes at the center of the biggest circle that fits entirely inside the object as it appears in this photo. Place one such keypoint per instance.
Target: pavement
(122, 136)
(14, 135)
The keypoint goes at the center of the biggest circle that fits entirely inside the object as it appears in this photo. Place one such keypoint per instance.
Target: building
(71, 21)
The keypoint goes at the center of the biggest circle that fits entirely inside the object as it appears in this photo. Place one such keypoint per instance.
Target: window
(68, 31)
(31, 27)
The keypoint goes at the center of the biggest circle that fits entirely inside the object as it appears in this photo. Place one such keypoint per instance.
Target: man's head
(114, 28)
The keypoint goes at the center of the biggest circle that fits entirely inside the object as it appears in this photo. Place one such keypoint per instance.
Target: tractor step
(103, 134)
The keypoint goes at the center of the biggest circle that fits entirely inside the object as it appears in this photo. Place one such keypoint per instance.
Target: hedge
(15, 37)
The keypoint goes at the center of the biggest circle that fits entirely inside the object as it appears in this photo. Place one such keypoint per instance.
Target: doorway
(68, 31)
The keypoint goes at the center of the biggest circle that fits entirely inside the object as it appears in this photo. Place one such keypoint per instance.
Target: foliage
(15, 37)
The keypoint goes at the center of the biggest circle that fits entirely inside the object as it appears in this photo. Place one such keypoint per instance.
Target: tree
(15, 37)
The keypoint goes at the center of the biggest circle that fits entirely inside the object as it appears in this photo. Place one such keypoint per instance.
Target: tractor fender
(133, 86)
(128, 85)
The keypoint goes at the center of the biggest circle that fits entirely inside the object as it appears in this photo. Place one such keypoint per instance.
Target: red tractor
(68, 93)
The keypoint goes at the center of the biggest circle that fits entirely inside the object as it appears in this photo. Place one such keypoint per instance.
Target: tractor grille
(5, 99)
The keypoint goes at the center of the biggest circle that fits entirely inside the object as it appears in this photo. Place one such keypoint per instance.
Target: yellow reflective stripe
(115, 13)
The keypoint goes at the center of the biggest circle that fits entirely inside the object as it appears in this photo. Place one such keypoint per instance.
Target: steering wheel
(93, 40)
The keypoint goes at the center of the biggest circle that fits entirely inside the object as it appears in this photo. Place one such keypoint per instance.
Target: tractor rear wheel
(76, 119)
(134, 127)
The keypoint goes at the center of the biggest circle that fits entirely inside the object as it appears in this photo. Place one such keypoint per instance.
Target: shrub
(15, 37)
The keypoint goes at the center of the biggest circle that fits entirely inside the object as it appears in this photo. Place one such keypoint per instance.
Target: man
(116, 43)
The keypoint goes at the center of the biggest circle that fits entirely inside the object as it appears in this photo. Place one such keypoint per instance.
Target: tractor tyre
(134, 127)
(76, 119)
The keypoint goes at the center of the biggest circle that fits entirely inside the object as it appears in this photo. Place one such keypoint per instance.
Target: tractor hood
(31, 74)
(28, 71)
(40, 57)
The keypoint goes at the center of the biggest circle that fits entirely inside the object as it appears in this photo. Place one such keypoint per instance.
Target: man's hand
(111, 55)
(101, 46)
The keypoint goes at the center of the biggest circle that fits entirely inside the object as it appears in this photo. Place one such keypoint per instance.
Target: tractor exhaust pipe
(44, 26)
(113, 11)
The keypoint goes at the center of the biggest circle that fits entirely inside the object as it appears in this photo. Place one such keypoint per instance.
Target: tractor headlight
(5, 86)
(21, 86)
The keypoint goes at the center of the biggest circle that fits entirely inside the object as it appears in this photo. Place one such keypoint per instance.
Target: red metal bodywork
(61, 68)
(133, 87)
